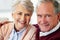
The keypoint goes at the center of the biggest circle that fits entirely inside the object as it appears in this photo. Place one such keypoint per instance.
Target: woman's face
(21, 16)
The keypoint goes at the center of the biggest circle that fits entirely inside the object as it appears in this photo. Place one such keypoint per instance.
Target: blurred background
(6, 10)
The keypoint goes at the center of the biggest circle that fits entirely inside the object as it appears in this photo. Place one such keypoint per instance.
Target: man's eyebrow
(27, 14)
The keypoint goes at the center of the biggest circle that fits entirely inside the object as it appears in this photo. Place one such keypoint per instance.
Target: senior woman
(20, 29)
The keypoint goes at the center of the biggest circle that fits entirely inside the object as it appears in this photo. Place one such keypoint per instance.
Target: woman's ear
(12, 15)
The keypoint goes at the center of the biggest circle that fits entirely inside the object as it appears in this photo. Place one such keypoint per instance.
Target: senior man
(48, 20)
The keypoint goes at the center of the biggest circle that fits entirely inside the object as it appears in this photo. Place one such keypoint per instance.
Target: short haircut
(54, 2)
(26, 3)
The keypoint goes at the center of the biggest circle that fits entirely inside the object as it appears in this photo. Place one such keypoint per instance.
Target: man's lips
(45, 24)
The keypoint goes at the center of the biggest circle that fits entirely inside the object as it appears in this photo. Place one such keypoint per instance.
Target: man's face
(46, 17)
(21, 16)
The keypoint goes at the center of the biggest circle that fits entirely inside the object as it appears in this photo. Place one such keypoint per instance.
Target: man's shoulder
(55, 35)
(36, 25)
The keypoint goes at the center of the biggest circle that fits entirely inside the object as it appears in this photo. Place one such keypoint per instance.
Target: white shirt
(51, 31)
(16, 35)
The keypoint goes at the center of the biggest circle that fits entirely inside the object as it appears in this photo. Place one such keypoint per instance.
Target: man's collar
(51, 31)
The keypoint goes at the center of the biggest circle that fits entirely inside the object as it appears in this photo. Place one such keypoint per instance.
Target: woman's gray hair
(54, 2)
(26, 3)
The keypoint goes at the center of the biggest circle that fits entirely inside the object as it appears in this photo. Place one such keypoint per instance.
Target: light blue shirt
(16, 35)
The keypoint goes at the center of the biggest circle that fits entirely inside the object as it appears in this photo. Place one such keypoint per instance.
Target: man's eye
(27, 14)
(48, 15)
(39, 15)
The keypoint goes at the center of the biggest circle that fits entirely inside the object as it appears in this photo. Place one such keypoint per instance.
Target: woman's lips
(22, 22)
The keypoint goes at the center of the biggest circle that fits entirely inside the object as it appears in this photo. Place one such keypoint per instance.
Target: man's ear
(58, 15)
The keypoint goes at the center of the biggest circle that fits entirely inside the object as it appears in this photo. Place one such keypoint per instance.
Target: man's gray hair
(26, 3)
(54, 2)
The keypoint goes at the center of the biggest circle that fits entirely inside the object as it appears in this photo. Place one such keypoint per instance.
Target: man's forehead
(46, 7)
(45, 4)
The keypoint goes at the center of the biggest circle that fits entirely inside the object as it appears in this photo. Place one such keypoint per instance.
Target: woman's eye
(20, 13)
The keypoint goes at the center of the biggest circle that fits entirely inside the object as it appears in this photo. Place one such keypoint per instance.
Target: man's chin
(45, 29)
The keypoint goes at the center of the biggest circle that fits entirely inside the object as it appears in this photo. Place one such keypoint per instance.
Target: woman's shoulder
(7, 26)
(32, 26)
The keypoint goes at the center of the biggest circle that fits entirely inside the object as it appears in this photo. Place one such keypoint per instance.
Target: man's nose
(43, 20)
